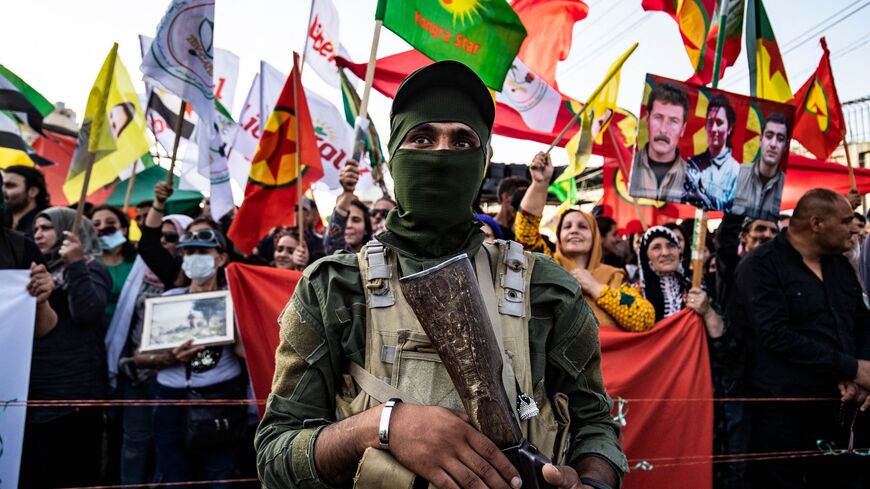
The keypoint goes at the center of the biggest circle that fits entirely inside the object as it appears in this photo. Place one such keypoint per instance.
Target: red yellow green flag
(819, 124)
(272, 192)
(699, 22)
(485, 35)
(766, 70)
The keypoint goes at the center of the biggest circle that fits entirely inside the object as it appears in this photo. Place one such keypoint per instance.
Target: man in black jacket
(807, 336)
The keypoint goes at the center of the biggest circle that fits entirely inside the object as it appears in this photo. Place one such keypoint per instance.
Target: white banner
(181, 58)
(322, 42)
(18, 310)
(335, 142)
(535, 100)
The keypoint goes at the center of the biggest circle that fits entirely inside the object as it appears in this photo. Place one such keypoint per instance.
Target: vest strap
(374, 387)
(513, 281)
(378, 275)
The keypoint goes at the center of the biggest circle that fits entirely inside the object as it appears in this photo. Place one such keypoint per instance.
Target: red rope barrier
(235, 402)
(166, 484)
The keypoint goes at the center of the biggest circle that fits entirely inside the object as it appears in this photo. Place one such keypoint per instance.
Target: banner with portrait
(713, 149)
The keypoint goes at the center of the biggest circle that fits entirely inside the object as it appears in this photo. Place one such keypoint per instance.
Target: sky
(58, 47)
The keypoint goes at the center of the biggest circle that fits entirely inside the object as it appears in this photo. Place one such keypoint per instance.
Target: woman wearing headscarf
(62, 445)
(578, 250)
(664, 282)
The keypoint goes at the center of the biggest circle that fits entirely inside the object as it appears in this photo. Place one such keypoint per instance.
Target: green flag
(485, 35)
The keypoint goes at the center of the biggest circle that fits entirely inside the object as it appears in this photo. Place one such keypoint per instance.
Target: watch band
(597, 484)
(384, 425)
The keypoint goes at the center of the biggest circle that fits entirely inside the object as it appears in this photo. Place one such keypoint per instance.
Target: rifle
(447, 301)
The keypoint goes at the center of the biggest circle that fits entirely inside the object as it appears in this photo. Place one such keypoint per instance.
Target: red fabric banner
(654, 370)
(259, 295)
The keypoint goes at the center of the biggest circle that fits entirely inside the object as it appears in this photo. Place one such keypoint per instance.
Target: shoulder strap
(377, 273)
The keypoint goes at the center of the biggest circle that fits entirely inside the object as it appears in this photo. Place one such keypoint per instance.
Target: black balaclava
(435, 190)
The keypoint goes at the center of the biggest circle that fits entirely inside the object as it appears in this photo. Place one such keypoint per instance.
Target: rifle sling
(375, 387)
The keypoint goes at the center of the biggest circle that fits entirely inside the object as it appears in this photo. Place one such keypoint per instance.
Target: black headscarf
(664, 291)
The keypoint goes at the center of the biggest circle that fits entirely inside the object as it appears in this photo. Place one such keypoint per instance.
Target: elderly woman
(578, 250)
(664, 283)
(62, 445)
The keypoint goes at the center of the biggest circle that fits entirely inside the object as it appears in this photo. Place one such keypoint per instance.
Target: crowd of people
(783, 304)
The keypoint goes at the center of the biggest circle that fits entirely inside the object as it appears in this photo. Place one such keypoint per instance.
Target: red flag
(819, 124)
(664, 374)
(805, 174)
(549, 27)
(391, 70)
(699, 24)
(58, 149)
(271, 195)
(257, 317)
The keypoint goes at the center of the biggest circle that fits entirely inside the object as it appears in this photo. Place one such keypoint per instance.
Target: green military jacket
(323, 327)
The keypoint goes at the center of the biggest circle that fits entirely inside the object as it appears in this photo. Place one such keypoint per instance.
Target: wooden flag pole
(130, 182)
(622, 168)
(853, 184)
(360, 126)
(179, 124)
(80, 208)
(699, 235)
(300, 217)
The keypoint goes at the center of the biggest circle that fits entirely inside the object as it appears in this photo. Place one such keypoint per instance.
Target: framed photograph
(716, 150)
(206, 317)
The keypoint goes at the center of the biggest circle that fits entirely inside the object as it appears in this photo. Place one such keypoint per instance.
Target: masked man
(349, 340)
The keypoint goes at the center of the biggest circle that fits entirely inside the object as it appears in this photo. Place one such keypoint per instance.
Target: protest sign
(18, 308)
(712, 149)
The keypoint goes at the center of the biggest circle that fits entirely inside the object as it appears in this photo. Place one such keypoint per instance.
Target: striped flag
(21, 99)
(767, 78)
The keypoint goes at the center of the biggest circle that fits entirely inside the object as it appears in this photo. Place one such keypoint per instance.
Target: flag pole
(699, 235)
(361, 123)
(300, 224)
(598, 90)
(852, 183)
(80, 208)
(179, 124)
(130, 183)
(622, 168)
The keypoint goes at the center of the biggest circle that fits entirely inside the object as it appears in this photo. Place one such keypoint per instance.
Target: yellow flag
(599, 111)
(113, 130)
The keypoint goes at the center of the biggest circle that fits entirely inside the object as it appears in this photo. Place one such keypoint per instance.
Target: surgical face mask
(112, 241)
(199, 268)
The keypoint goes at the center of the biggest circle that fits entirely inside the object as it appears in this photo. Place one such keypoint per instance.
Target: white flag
(535, 100)
(271, 84)
(180, 60)
(322, 43)
(335, 142)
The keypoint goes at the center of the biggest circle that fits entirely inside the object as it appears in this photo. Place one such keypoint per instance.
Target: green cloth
(119, 274)
(424, 222)
(486, 36)
(329, 331)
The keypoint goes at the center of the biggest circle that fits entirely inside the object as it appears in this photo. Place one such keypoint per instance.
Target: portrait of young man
(759, 184)
(658, 171)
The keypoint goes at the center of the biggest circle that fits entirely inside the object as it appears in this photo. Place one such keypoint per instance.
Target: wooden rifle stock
(448, 304)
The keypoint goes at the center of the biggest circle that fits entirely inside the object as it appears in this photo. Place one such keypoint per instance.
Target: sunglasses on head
(171, 237)
(382, 213)
(202, 236)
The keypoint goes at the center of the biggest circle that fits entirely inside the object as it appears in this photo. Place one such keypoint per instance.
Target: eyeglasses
(170, 237)
(202, 236)
(382, 213)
